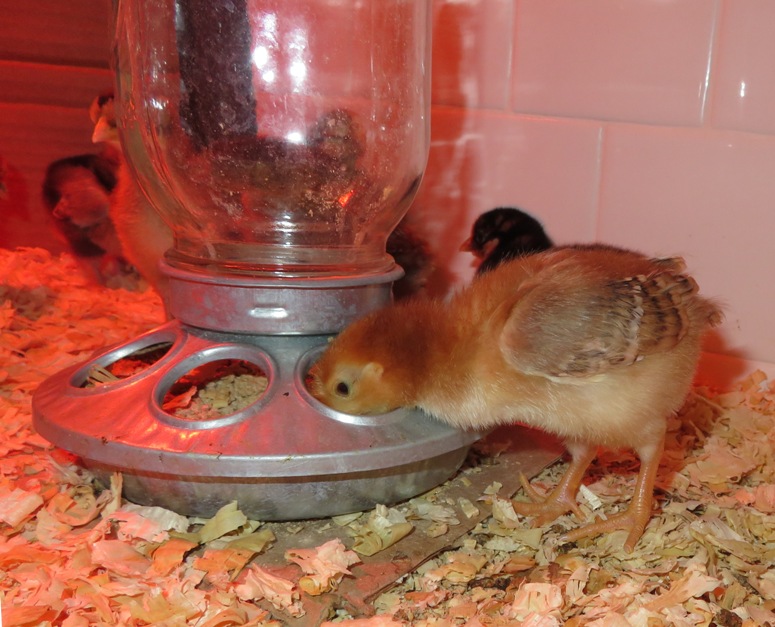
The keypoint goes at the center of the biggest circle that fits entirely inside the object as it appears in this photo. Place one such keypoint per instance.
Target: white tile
(743, 76)
(708, 196)
(472, 43)
(634, 60)
(480, 160)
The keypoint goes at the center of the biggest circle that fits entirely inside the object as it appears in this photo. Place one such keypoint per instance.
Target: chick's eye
(342, 389)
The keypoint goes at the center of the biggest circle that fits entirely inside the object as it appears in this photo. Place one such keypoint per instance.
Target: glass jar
(277, 138)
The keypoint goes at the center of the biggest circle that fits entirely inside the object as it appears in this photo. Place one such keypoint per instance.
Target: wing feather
(577, 319)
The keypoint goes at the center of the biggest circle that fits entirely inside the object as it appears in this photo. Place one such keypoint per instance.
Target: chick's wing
(577, 320)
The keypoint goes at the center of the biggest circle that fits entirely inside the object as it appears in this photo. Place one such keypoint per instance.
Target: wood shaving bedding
(75, 554)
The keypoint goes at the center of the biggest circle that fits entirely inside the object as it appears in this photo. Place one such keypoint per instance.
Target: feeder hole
(215, 389)
(127, 366)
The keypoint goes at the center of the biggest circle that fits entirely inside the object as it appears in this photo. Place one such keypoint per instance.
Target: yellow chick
(594, 344)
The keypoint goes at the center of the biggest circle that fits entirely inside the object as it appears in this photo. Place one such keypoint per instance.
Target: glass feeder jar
(277, 138)
(282, 141)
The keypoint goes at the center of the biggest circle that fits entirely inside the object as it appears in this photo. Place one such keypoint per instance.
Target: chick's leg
(637, 515)
(563, 498)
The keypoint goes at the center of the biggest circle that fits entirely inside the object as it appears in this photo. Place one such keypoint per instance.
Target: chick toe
(563, 498)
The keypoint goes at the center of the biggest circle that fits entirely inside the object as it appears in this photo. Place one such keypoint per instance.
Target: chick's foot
(563, 498)
(634, 519)
(546, 510)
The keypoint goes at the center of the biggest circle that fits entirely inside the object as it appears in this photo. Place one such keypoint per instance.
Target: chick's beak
(465, 247)
(103, 132)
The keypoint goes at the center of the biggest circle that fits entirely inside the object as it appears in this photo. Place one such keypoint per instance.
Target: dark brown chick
(502, 234)
(77, 191)
(594, 344)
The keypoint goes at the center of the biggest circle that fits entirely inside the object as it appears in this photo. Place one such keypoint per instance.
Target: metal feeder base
(284, 457)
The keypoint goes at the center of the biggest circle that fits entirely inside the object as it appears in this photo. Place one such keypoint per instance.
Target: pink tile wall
(472, 71)
(639, 60)
(643, 123)
(743, 78)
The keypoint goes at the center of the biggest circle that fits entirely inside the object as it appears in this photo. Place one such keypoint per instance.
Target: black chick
(505, 233)
(77, 192)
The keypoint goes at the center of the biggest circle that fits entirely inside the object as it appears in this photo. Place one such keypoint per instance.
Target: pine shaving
(17, 505)
(467, 507)
(170, 555)
(281, 593)
(323, 566)
(226, 520)
(384, 527)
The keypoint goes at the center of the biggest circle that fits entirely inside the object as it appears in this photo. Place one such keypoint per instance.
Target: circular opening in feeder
(118, 365)
(215, 390)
